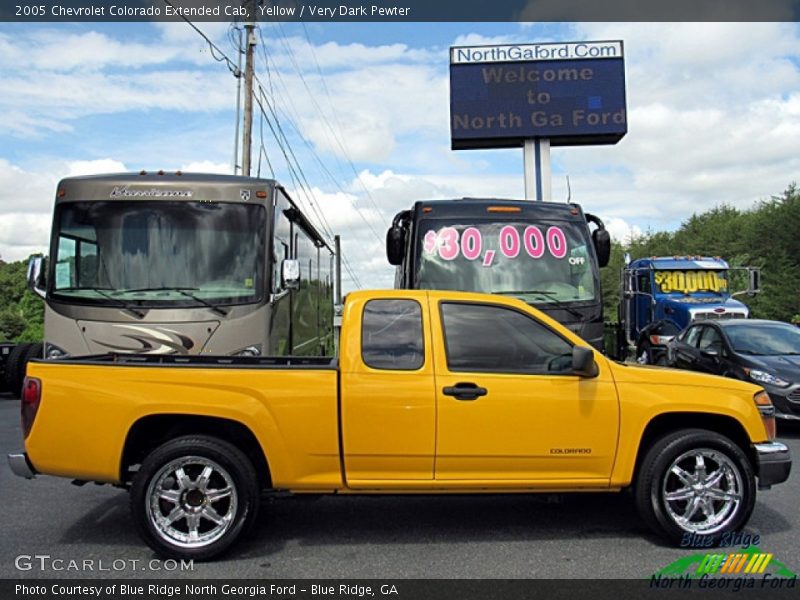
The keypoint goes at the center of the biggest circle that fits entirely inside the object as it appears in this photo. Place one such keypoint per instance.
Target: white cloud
(94, 167)
(620, 230)
(207, 166)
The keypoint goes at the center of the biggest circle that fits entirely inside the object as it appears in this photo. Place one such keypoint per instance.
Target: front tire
(193, 497)
(695, 484)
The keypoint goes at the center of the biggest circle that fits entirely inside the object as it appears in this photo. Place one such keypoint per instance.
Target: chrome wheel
(702, 490)
(191, 502)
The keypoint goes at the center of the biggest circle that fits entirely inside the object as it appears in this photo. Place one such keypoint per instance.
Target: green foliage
(767, 236)
(610, 281)
(21, 312)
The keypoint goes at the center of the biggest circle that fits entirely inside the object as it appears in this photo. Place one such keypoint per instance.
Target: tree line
(766, 236)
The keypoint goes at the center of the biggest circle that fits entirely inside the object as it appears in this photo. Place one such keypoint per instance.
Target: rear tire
(695, 484)
(193, 497)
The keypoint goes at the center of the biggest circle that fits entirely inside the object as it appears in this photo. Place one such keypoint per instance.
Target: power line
(232, 67)
(299, 179)
(312, 96)
(305, 141)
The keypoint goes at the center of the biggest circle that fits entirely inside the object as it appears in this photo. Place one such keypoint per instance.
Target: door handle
(465, 391)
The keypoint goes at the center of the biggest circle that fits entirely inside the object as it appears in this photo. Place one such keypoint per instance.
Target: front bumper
(773, 463)
(21, 466)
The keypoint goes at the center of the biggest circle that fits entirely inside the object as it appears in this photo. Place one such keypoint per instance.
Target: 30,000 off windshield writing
(688, 282)
(543, 263)
(446, 243)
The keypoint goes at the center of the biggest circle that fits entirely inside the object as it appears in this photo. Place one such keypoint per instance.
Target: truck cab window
(391, 335)
(481, 337)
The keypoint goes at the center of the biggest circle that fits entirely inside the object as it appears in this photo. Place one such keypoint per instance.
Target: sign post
(537, 96)
(536, 164)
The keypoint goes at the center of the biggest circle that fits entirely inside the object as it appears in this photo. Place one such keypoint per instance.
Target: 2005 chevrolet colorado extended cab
(432, 392)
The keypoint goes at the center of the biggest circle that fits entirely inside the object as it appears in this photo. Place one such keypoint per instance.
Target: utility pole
(238, 103)
(247, 134)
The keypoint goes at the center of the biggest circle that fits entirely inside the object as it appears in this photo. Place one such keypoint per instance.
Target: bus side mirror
(754, 284)
(290, 274)
(395, 245)
(602, 246)
(37, 266)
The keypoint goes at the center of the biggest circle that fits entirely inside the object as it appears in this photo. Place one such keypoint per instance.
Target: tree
(21, 312)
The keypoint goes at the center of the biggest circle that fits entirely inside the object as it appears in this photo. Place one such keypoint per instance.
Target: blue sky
(713, 116)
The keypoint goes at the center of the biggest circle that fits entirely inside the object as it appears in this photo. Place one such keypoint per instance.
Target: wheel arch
(666, 423)
(151, 431)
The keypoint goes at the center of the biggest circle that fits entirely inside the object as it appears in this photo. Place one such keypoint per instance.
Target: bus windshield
(546, 262)
(159, 253)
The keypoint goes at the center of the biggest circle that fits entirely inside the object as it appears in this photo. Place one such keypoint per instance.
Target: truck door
(387, 396)
(510, 413)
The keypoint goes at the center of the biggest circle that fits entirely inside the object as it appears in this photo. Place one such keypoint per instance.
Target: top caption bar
(398, 10)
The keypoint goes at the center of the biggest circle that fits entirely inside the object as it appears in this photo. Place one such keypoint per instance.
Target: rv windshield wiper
(551, 299)
(104, 293)
(184, 291)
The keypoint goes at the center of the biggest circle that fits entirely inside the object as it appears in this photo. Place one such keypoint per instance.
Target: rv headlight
(53, 352)
(254, 350)
(768, 378)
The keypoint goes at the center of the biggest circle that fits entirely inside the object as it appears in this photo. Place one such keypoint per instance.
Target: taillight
(660, 340)
(767, 411)
(31, 395)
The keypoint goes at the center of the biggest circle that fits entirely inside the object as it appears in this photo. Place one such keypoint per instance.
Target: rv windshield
(546, 262)
(163, 253)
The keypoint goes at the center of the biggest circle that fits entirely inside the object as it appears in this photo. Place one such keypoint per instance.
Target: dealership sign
(571, 93)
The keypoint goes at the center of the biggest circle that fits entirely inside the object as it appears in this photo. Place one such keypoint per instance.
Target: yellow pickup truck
(433, 392)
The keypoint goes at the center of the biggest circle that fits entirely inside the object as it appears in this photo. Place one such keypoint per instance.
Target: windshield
(758, 339)
(688, 282)
(159, 253)
(549, 262)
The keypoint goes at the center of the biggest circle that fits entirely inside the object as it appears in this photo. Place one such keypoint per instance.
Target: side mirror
(36, 271)
(583, 362)
(602, 246)
(395, 244)
(754, 283)
(713, 354)
(290, 274)
(601, 239)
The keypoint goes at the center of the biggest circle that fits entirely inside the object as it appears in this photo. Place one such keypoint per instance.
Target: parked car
(760, 351)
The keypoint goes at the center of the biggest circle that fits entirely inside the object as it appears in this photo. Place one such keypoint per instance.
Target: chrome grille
(716, 316)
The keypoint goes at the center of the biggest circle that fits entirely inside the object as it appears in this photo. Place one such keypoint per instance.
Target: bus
(544, 253)
(183, 263)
